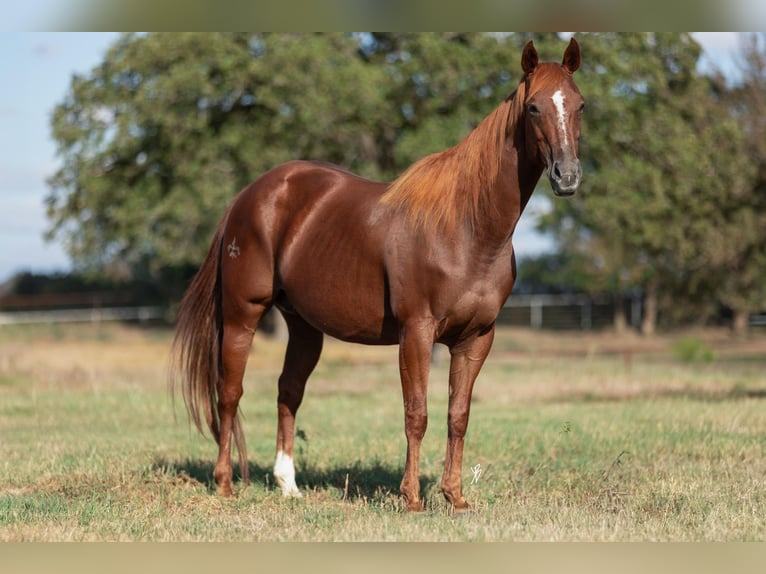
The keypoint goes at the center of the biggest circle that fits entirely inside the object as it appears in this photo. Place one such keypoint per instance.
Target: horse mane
(448, 187)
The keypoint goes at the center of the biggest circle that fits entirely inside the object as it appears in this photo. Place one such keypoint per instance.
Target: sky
(37, 67)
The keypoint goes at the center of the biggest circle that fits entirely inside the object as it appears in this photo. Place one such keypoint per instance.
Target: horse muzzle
(565, 176)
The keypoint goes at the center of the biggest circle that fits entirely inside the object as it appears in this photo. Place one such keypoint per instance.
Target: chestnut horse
(427, 258)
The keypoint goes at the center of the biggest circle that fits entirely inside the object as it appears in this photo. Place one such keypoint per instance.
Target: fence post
(536, 313)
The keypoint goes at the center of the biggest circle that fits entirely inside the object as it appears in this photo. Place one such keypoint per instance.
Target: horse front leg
(415, 346)
(467, 359)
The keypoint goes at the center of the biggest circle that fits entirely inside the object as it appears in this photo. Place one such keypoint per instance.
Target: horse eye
(581, 108)
(533, 109)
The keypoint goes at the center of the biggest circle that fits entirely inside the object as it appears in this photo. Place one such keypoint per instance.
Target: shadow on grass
(359, 480)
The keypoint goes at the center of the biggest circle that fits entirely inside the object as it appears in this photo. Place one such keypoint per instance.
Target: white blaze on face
(558, 101)
(284, 473)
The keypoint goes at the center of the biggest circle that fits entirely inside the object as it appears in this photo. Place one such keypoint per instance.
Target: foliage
(160, 135)
(559, 272)
(741, 258)
(693, 349)
(669, 186)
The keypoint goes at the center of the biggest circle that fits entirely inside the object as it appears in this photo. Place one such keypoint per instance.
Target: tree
(741, 258)
(160, 136)
(663, 159)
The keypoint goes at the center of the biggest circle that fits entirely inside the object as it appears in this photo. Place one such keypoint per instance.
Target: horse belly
(336, 282)
(341, 308)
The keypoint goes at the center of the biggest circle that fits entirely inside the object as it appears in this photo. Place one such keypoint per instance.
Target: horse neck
(509, 194)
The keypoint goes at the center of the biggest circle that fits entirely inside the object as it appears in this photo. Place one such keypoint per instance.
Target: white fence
(537, 311)
(88, 315)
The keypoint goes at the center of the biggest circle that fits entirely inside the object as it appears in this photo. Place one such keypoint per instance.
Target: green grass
(692, 349)
(570, 448)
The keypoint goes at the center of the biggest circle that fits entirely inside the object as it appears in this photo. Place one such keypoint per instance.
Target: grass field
(572, 437)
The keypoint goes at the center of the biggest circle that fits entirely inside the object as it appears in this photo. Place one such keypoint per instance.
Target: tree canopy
(669, 183)
(156, 140)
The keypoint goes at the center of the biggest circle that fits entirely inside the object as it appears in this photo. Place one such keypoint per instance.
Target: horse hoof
(415, 507)
(462, 509)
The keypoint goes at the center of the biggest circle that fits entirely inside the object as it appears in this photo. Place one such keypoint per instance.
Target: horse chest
(478, 307)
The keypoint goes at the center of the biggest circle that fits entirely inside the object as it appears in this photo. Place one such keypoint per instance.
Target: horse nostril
(556, 171)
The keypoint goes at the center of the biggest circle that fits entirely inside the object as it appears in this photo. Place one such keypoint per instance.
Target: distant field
(573, 437)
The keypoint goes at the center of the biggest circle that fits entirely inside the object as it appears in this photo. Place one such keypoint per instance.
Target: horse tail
(196, 349)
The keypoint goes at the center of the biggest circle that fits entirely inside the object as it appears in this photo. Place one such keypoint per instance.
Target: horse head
(553, 109)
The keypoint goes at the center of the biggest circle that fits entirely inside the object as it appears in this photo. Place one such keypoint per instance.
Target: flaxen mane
(442, 189)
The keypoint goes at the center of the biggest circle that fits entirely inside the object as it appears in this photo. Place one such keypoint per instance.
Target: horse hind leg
(239, 325)
(303, 349)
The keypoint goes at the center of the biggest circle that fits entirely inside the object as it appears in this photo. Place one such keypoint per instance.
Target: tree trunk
(649, 320)
(741, 322)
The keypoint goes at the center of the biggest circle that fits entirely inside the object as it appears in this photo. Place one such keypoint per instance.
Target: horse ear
(529, 58)
(571, 59)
